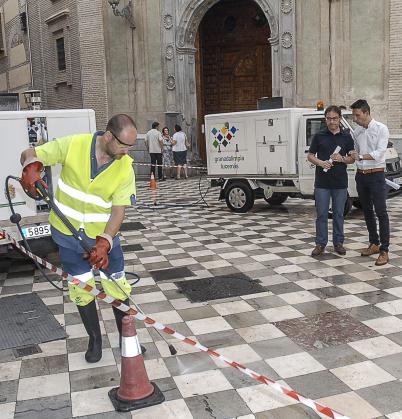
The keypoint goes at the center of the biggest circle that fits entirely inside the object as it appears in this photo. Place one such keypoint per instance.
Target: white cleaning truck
(263, 154)
(20, 130)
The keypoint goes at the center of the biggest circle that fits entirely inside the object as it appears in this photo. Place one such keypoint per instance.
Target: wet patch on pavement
(205, 289)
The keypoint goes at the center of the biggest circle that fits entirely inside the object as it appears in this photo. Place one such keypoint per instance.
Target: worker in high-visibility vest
(96, 184)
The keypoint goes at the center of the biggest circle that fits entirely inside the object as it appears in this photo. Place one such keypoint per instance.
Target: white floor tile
(76, 360)
(100, 402)
(376, 347)
(385, 325)
(10, 370)
(234, 307)
(202, 383)
(259, 332)
(361, 375)
(346, 301)
(43, 386)
(209, 325)
(351, 405)
(294, 365)
(298, 297)
(239, 353)
(262, 397)
(172, 409)
(277, 314)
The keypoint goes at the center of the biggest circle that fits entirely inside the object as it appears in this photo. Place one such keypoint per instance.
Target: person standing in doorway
(179, 148)
(371, 141)
(331, 179)
(154, 144)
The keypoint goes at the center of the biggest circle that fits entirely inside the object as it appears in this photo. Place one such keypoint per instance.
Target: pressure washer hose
(180, 205)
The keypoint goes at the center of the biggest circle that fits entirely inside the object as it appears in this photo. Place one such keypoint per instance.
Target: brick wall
(395, 70)
(93, 59)
(60, 89)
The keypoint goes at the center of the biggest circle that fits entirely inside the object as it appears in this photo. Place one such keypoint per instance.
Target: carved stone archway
(180, 53)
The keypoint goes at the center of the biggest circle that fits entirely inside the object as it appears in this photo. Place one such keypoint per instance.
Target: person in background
(167, 154)
(331, 179)
(371, 141)
(154, 144)
(179, 148)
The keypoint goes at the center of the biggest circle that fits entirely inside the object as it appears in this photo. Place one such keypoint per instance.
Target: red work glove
(99, 258)
(30, 175)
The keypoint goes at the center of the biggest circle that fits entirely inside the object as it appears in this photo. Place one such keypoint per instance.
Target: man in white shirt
(154, 144)
(371, 141)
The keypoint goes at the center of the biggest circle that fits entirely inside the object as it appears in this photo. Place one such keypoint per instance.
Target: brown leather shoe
(340, 249)
(382, 259)
(373, 249)
(318, 250)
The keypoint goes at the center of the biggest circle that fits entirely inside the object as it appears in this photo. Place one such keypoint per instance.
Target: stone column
(395, 69)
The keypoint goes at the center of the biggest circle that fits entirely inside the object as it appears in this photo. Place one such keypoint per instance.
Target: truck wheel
(239, 197)
(277, 198)
(348, 207)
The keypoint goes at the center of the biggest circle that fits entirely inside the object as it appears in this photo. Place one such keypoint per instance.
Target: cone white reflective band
(82, 196)
(79, 216)
(130, 346)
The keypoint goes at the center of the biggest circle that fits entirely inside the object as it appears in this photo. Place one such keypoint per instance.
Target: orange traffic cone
(135, 391)
(153, 186)
(152, 182)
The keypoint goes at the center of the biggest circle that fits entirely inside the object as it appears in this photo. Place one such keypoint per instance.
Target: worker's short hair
(361, 104)
(118, 122)
(155, 125)
(333, 108)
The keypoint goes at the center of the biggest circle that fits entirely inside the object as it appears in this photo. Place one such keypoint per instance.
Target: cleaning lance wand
(87, 247)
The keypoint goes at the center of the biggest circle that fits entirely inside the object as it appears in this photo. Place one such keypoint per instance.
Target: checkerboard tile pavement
(329, 327)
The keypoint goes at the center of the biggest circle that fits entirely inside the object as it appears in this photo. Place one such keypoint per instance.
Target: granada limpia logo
(223, 136)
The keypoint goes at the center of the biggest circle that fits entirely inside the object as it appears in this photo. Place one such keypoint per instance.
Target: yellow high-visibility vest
(85, 202)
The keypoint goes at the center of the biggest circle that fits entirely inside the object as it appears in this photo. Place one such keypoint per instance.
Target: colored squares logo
(223, 136)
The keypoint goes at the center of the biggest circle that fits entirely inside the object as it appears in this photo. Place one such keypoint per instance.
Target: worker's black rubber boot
(89, 317)
(118, 315)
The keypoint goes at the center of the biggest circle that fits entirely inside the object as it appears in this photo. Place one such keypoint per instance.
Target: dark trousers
(322, 203)
(372, 192)
(156, 158)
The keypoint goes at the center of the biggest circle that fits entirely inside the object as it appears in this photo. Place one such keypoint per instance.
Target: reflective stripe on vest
(80, 217)
(82, 196)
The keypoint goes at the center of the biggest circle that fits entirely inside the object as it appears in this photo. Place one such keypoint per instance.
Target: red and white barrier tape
(129, 310)
(168, 167)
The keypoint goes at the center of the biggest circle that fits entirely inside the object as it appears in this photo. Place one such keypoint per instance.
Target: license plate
(398, 180)
(36, 231)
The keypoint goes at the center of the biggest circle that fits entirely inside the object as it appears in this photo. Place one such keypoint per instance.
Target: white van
(20, 130)
(263, 155)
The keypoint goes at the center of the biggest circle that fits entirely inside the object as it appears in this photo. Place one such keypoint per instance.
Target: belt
(370, 171)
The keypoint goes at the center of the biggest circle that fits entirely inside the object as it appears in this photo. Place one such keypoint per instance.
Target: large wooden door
(233, 60)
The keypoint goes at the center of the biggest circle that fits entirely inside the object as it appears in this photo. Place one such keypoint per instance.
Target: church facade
(177, 60)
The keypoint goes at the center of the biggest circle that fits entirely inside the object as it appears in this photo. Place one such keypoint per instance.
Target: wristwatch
(361, 157)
